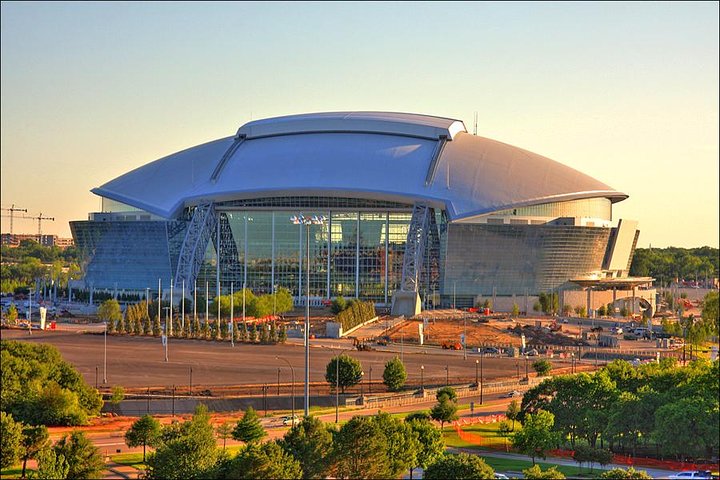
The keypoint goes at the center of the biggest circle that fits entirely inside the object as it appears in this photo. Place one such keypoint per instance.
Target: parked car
(691, 474)
(290, 420)
(489, 351)
(532, 353)
(501, 476)
(616, 330)
(512, 394)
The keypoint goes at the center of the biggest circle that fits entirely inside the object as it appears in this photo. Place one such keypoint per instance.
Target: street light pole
(422, 378)
(476, 373)
(105, 355)
(292, 390)
(447, 375)
(307, 221)
(464, 337)
(482, 380)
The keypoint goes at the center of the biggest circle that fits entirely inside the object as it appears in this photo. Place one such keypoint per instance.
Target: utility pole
(12, 211)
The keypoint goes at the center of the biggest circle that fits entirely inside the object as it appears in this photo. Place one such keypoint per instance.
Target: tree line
(23, 264)
(666, 264)
(657, 408)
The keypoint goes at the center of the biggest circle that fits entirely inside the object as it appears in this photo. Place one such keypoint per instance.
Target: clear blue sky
(625, 92)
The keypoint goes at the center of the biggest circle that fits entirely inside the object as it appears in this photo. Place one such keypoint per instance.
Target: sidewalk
(654, 472)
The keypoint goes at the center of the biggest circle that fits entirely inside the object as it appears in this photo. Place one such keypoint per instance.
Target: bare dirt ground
(447, 326)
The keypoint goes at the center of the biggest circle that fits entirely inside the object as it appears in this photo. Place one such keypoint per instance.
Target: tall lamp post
(422, 378)
(292, 390)
(482, 380)
(307, 221)
(105, 355)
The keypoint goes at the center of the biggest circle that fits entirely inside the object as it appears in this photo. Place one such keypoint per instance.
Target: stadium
(411, 211)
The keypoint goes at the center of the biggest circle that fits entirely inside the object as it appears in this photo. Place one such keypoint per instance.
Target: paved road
(140, 361)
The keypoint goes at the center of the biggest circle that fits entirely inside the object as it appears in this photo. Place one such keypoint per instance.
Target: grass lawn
(511, 465)
(13, 472)
(491, 437)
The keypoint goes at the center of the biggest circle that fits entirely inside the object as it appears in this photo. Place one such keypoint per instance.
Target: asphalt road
(140, 361)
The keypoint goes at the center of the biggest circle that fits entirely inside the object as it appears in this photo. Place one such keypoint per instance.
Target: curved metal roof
(384, 156)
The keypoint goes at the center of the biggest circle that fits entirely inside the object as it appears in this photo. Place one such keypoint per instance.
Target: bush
(355, 313)
(536, 473)
(629, 474)
(542, 367)
(462, 465)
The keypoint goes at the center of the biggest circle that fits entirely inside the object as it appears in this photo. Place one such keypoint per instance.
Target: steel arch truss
(192, 253)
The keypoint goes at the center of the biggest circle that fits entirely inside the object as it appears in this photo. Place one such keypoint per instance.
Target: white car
(501, 476)
(512, 394)
(290, 420)
(691, 474)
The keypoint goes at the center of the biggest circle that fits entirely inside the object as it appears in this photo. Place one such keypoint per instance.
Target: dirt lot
(448, 325)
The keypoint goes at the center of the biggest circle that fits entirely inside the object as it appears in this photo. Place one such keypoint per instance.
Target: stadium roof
(375, 155)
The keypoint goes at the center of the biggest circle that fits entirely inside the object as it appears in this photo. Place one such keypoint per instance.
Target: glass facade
(513, 259)
(357, 252)
(586, 207)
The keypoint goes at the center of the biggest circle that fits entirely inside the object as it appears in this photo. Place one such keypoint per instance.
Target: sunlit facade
(481, 217)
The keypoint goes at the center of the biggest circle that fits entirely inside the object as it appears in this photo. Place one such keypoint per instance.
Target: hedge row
(357, 313)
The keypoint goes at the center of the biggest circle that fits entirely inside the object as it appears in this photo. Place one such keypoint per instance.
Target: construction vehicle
(452, 345)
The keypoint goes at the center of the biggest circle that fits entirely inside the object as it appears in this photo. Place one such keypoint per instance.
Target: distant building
(14, 239)
(418, 211)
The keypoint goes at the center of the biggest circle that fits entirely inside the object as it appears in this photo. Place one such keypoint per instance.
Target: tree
(687, 427)
(249, 429)
(224, 431)
(109, 311)
(310, 443)
(12, 314)
(444, 411)
(117, 396)
(402, 443)
(394, 375)
(83, 458)
(282, 334)
(542, 367)
(267, 460)
(189, 451)
(629, 474)
(513, 413)
(350, 372)
(602, 311)
(51, 465)
(338, 305)
(515, 310)
(537, 435)
(536, 473)
(360, 450)
(587, 454)
(422, 416)
(431, 443)
(449, 391)
(145, 431)
(35, 438)
(460, 466)
(710, 312)
(10, 440)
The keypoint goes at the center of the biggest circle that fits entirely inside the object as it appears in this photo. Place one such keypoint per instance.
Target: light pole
(527, 378)
(464, 337)
(447, 375)
(190, 380)
(307, 221)
(370, 382)
(232, 315)
(476, 373)
(105, 355)
(96, 377)
(292, 390)
(422, 378)
(482, 380)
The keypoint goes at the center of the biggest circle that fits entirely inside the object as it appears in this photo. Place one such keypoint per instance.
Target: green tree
(10, 440)
(587, 454)
(51, 465)
(360, 450)
(350, 372)
(513, 413)
(189, 451)
(460, 466)
(338, 305)
(444, 411)
(710, 312)
(144, 431)
(431, 443)
(117, 395)
(82, 456)
(537, 435)
(542, 367)
(224, 431)
(35, 438)
(12, 314)
(536, 473)
(629, 474)
(687, 427)
(249, 429)
(109, 311)
(422, 416)
(449, 391)
(394, 375)
(515, 310)
(282, 334)
(310, 443)
(402, 443)
(260, 461)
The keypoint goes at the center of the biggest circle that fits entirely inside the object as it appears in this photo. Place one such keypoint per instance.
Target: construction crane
(39, 219)
(12, 211)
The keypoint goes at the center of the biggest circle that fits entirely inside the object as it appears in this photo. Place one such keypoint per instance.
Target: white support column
(272, 262)
(387, 245)
(329, 250)
(357, 257)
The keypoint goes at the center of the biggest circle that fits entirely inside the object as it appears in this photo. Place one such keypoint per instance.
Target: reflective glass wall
(353, 254)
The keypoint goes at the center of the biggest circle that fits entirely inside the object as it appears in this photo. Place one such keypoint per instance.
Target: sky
(625, 92)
